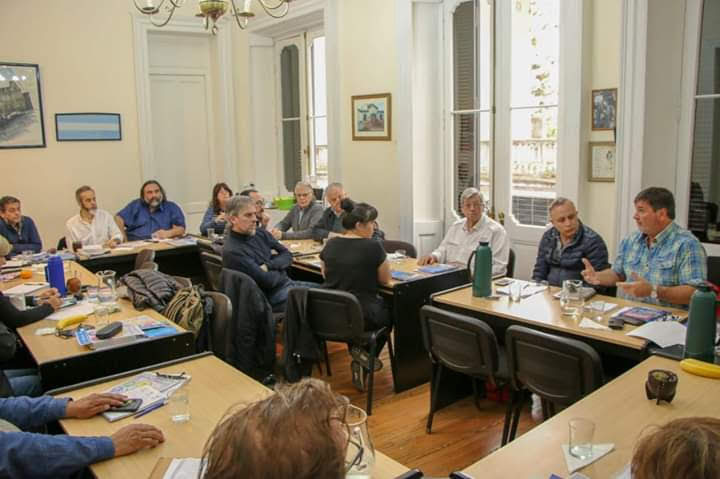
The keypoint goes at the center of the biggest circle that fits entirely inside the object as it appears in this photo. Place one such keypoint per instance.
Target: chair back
(713, 269)
(206, 246)
(212, 265)
(150, 265)
(220, 337)
(561, 370)
(334, 315)
(62, 244)
(458, 342)
(391, 246)
(511, 264)
(143, 256)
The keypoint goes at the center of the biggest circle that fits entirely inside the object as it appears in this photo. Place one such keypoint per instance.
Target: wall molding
(403, 116)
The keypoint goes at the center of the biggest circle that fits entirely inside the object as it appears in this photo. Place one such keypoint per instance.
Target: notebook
(148, 386)
(436, 268)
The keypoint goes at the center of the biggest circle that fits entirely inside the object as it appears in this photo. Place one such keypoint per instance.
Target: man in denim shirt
(25, 454)
(659, 264)
(151, 215)
(19, 230)
(563, 246)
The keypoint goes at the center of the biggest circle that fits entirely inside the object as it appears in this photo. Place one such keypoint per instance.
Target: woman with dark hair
(215, 214)
(356, 263)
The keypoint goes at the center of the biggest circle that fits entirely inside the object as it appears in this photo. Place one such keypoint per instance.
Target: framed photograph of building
(604, 109)
(88, 127)
(602, 161)
(21, 110)
(372, 117)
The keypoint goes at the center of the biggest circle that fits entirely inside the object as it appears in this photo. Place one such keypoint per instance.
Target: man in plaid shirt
(659, 264)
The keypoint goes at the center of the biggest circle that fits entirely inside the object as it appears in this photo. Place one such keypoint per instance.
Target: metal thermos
(700, 337)
(482, 276)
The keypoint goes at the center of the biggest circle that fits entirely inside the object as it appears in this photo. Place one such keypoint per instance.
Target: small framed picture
(88, 127)
(372, 117)
(602, 161)
(21, 107)
(604, 109)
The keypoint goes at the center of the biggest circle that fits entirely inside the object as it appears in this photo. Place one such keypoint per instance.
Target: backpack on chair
(187, 310)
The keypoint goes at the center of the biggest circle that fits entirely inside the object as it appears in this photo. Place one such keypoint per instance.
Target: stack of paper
(148, 386)
(662, 333)
(25, 288)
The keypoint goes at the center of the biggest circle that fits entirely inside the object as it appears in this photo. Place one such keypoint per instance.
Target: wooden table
(404, 299)
(302, 247)
(542, 311)
(64, 361)
(215, 386)
(620, 411)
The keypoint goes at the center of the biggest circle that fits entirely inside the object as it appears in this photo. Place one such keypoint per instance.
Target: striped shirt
(675, 258)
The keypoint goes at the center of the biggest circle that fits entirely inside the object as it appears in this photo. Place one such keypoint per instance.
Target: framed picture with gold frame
(372, 117)
(602, 161)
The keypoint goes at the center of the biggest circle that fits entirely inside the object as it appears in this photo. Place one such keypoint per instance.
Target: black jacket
(150, 289)
(250, 337)
(332, 223)
(301, 348)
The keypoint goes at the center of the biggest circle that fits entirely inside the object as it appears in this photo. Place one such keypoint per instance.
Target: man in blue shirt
(151, 215)
(19, 230)
(661, 263)
(25, 454)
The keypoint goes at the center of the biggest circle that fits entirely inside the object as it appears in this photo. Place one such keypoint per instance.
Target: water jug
(481, 277)
(700, 337)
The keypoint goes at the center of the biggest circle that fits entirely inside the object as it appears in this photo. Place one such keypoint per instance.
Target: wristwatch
(654, 292)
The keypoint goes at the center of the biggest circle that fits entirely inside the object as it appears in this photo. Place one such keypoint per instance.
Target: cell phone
(616, 323)
(131, 405)
(503, 281)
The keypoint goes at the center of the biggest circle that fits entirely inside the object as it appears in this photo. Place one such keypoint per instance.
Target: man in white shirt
(92, 226)
(464, 236)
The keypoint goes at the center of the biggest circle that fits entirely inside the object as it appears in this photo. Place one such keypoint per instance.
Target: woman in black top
(356, 263)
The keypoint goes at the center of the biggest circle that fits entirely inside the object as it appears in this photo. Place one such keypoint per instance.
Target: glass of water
(572, 301)
(581, 437)
(179, 403)
(360, 454)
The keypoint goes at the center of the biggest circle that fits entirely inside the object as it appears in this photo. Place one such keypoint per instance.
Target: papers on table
(528, 289)
(662, 333)
(152, 388)
(590, 324)
(78, 309)
(587, 293)
(26, 288)
(601, 306)
(188, 241)
(437, 268)
(404, 276)
(150, 397)
(574, 464)
(14, 263)
(185, 468)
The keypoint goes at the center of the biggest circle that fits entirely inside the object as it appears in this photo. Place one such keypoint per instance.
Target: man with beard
(151, 215)
(92, 226)
(19, 230)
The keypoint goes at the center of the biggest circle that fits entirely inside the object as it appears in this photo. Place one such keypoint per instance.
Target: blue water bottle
(55, 274)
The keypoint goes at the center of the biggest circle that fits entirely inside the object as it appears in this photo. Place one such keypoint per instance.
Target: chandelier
(210, 10)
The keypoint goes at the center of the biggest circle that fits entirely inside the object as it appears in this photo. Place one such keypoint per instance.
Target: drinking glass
(107, 288)
(516, 289)
(581, 436)
(179, 402)
(400, 254)
(102, 311)
(360, 454)
(571, 298)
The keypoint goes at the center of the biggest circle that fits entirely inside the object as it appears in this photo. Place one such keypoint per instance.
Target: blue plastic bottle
(55, 274)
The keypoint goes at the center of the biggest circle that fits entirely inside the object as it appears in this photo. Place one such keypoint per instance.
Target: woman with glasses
(214, 218)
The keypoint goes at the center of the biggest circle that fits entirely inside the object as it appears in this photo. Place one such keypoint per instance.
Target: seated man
(91, 226)
(563, 246)
(330, 223)
(263, 219)
(298, 432)
(464, 236)
(661, 263)
(151, 215)
(25, 454)
(253, 251)
(19, 230)
(301, 217)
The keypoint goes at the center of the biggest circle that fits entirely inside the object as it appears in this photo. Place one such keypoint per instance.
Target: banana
(64, 323)
(700, 368)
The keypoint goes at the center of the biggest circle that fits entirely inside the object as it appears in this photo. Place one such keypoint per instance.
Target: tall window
(526, 87)
(303, 99)
(705, 172)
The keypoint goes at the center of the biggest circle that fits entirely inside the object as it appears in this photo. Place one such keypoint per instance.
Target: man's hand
(425, 260)
(48, 293)
(589, 274)
(638, 287)
(220, 218)
(112, 243)
(92, 405)
(277, 234)
(161, 234)
(53, 301)
(265, 220)
(134, 437)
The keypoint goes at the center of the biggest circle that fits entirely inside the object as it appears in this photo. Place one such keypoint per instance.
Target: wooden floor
(461, 435)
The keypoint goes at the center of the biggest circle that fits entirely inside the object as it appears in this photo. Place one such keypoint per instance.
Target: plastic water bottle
(55, 274)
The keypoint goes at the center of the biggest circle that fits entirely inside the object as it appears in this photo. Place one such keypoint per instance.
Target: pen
(148, 409)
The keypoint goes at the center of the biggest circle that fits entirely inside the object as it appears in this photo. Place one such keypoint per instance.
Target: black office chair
(463, 344)
(144, 256)
(61, 244)
(337, 316)
(510, 273)
(559, 370)
(220, 340)
(391, 246)
(713, 269)
(212, 265)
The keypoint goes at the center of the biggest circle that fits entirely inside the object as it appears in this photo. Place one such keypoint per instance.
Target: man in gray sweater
(301, 219)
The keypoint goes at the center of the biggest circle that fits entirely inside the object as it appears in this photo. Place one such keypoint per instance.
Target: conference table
(214, 388)
(404, 299)
(64, 361)
(620, 411)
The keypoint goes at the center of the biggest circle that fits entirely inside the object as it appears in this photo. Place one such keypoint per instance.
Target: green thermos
(482, 276)
(700, 337)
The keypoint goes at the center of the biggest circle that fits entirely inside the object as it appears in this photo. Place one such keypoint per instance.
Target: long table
(620, 411)
(404, 299)
(214, 388)
(64, 361)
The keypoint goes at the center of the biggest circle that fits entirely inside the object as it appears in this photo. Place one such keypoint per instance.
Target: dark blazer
(26, 238)
(330, 222)
(302, 228)
(556, 266)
